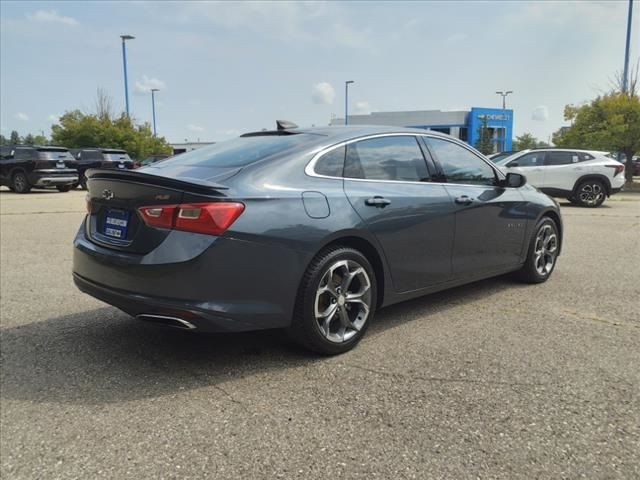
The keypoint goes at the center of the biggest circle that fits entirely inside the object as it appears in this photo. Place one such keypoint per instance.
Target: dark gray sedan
(311, 230)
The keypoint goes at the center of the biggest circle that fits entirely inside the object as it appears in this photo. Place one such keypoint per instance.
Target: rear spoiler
(192, 184)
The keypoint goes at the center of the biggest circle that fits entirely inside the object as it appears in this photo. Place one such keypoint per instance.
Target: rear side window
(583, 156)
(533, 159)
(240, 151)
(115, 156)
(460, 165)
(331, 163)
(561, 158)
(386, 158)
(24, 154)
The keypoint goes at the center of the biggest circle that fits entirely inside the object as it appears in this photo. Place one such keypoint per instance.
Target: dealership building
(462, 124)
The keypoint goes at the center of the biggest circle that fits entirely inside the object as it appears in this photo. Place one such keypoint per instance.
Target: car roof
(340, 133)
(554, 149)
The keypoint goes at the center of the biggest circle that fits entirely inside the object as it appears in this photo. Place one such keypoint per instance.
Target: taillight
(87, 201)
(211, 218)
(619, 168)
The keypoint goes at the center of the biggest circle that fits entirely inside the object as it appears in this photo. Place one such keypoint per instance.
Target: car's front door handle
(377, 201)
(464, 200)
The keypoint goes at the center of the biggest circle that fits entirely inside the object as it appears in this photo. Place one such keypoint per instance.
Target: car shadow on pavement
(104, 356)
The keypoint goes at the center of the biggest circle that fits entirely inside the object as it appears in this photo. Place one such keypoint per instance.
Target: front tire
(64, 188)
(542, 254)
(590, 193)
(336, 301)
(20, 183)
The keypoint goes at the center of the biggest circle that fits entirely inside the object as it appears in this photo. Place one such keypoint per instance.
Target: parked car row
(23, 167)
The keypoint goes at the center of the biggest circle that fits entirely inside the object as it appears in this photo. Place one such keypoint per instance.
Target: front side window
(460, 165)
(533, 159)
(561, 158)
(386, 158)
(331, 163)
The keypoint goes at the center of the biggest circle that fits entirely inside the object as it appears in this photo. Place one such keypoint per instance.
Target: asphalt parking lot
(490, 380)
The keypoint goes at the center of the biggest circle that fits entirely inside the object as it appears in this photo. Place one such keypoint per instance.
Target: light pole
(124, 63)
(153, 108)
(625, 80)
(504, 116)
(346, 101)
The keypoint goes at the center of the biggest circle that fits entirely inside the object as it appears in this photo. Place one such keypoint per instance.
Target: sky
(224, 68)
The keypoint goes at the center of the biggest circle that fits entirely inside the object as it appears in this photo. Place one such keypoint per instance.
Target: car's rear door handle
(377, 201)
(464, 200)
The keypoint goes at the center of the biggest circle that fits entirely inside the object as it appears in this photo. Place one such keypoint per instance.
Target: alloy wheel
(591, 194)
(19, 182)
(545, 250)
(343, 301)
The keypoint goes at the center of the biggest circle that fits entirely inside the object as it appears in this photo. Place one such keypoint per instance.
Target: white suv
(584, 177)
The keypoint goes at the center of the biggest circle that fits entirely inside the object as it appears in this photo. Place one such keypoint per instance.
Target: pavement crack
(444, 379)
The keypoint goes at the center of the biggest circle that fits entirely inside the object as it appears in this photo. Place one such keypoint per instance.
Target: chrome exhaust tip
(167, 321)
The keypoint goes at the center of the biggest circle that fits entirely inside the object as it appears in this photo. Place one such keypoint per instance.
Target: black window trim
(437, 178)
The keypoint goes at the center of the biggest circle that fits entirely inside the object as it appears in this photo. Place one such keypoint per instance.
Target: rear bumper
(46, 179)
(214, 283)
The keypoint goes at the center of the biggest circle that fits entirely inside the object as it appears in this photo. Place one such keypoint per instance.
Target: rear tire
(64, 188)
(590, 193)
(83, 182)
(20, 183)
(336, 301)
(543, 253)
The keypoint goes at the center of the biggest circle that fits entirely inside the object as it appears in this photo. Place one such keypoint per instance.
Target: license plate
(60, 165)
(121, 165)
(116, 223)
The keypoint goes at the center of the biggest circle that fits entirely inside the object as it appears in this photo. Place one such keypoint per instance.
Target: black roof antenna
(285, 125)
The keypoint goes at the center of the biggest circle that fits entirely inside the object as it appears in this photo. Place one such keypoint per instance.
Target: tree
(526, 141)
(610, 122)
(28, 139)
(4, 140)
(103, 129)
(485, 142)
(15, 137)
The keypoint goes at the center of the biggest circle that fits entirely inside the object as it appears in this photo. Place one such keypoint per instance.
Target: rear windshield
(54, 155)
(240, 151)
(115, 156)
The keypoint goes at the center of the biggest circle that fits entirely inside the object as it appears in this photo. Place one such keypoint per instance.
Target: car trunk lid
(115, 196)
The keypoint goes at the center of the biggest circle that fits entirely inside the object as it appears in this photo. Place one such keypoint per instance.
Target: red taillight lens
(211, 218)
(619, 169)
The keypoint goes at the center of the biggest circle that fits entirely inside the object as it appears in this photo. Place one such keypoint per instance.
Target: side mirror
(515, 180)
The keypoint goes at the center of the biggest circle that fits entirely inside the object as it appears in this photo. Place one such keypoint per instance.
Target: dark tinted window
(44, 154)
(6, 153)
(23, 153)
(89, 155)
(561, 158)
(533, 159)
(116, 156)
(331, 163)
(460, 165)
(386, 158)
(583, 156)
(240, 151)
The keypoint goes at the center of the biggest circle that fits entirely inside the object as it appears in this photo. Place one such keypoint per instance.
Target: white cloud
(456, 38)
(23, 117)
(53, 118)
(323, 93)
(147, 83)
(363, 108)
(195, 128)
(540, 113)
(51, 16)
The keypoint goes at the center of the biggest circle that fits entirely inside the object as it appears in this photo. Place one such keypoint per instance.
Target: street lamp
(346, 101)
(625, 79)
(504, 116)
(124, 63)
(153, 108)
